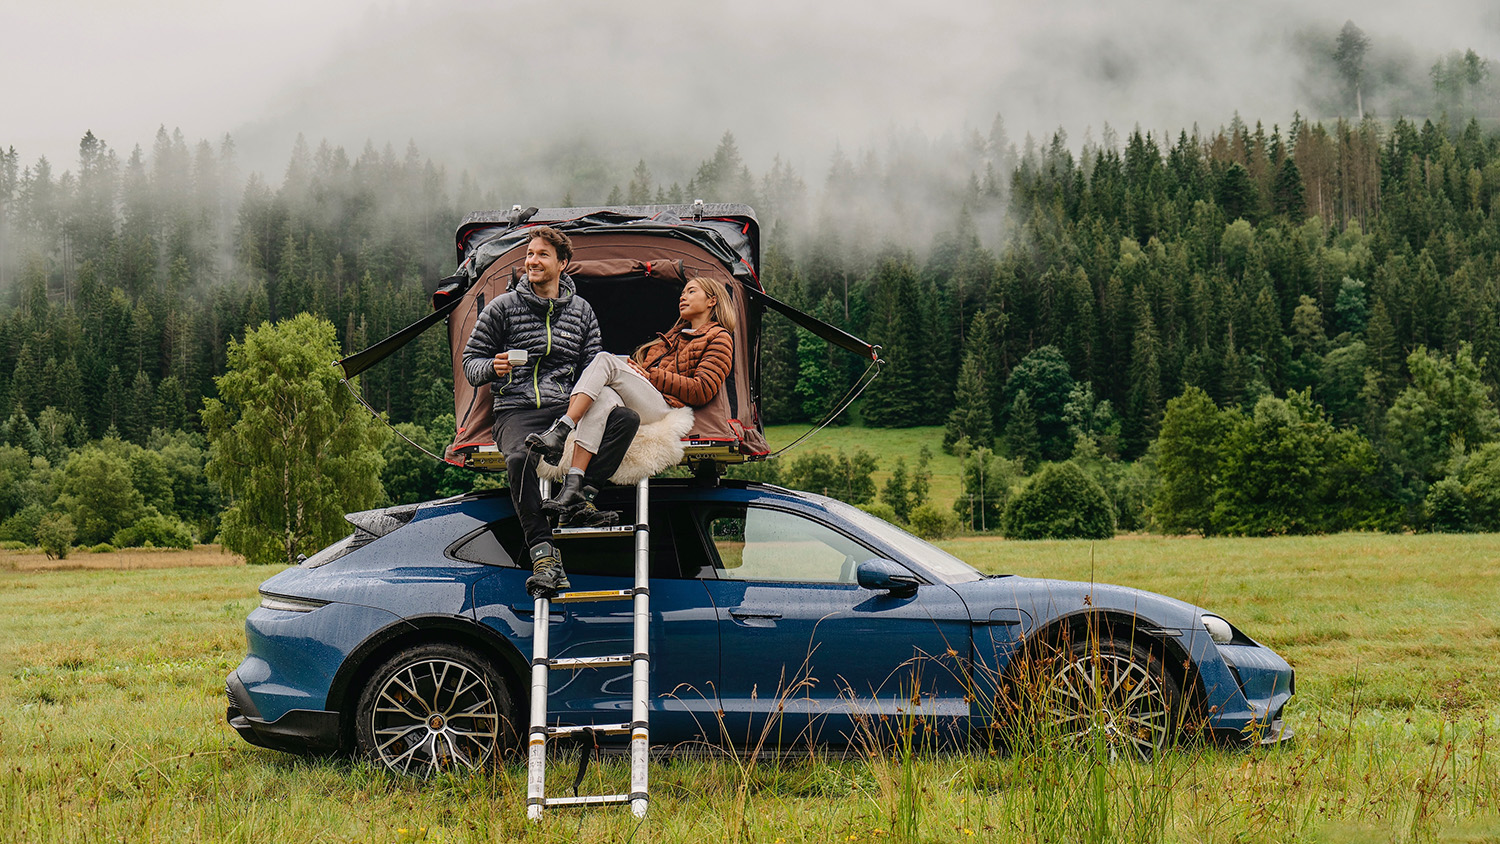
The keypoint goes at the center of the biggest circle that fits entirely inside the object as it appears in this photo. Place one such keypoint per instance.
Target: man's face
(542, 264)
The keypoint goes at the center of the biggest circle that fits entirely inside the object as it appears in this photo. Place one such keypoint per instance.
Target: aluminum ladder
(638, 659)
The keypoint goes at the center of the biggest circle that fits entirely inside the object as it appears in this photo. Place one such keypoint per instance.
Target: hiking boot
(549, 443)
(547, 575)
(586, 515)
(570, 496)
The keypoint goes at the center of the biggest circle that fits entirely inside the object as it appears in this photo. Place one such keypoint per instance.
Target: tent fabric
(632, 276)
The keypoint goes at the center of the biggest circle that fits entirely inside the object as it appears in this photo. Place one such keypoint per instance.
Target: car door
(684, 632)
(806, 654)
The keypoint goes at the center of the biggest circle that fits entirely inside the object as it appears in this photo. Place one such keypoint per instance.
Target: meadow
(112, 721)
(887, 444)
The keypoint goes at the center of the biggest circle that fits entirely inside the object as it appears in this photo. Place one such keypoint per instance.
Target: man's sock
(568, 420)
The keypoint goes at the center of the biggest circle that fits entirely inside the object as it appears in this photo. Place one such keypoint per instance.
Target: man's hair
(560, 243)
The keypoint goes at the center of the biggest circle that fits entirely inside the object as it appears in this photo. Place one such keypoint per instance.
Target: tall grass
(111, 725)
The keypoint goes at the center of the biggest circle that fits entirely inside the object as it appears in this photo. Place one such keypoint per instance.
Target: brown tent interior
(632, 280)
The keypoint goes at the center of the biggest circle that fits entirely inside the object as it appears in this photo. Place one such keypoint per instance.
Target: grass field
(886, 444)
(111, 722)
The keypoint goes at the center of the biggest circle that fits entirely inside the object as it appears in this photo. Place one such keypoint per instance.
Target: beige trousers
(612, 382)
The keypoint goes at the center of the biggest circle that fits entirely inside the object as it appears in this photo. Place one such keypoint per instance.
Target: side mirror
(887, 576)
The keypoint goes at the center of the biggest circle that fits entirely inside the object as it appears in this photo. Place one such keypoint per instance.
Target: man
(543, 316)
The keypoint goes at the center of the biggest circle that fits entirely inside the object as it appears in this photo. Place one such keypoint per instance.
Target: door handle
(743, 614)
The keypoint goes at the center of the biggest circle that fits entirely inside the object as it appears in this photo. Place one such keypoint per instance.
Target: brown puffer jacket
(689, 367)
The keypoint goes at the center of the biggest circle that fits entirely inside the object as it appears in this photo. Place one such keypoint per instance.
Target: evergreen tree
(987, 480)
(900, 399)
(971, 415)
(1288, 197)
(896, 492)
(1144, 410)
(1043, 375)
(1022, 441)
(1237, 194)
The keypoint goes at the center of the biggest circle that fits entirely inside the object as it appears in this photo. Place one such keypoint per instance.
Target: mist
(488, 87)
(534, 100)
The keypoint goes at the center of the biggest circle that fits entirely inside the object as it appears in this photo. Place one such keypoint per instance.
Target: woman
(685, 367)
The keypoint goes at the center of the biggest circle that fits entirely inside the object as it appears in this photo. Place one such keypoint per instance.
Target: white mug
(517, 356)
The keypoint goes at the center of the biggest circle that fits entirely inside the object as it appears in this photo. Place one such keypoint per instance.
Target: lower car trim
(298, 731)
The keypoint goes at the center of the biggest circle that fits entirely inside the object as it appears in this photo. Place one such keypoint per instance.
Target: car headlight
(1218, 629)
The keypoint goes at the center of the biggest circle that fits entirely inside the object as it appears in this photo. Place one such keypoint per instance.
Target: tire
(434, 708)
(1120, 691)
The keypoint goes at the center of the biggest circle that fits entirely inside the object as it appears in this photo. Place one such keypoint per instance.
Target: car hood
(1045, 598)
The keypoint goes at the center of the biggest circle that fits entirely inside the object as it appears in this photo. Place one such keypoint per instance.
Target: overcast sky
(469, 81)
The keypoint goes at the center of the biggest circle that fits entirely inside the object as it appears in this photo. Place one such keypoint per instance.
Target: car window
(502, 543)
(498, 544)
(939, 563)
(756, 543)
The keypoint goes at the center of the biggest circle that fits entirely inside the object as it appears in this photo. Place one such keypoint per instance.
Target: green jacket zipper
(536, 388)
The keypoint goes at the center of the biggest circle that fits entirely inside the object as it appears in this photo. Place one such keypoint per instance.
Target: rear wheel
(434, 708)
(1116, 690)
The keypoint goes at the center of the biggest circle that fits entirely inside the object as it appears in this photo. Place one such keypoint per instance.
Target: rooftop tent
(630, 263)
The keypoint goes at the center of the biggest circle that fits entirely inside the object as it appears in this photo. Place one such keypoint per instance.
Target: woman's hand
(638, 368)
(502, 365)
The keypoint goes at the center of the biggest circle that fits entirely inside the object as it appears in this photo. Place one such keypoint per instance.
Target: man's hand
(502, 365)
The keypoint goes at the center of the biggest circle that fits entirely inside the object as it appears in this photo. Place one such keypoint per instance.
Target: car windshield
(940, 563)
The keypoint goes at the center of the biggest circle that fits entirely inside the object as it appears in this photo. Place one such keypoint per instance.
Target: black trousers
(511, 429)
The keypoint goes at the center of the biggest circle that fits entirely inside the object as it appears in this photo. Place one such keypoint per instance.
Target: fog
(525, 94)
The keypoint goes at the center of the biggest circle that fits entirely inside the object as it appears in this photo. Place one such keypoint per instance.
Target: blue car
(778, 619)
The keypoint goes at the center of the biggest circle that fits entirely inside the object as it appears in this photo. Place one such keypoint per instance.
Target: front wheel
(1116, 690)
(434, 708)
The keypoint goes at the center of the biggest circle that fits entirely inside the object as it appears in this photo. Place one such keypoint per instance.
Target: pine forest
(1252, 330)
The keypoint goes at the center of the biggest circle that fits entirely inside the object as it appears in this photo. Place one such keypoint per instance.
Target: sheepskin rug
(655, 447)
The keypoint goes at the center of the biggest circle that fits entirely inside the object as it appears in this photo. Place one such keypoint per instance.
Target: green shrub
(155, 531)
(1060, 502)
(55, 535)
(1481, 478)
(1445, 509)
(930, 521)
(11, 545)
(881, 510)
(765, 471)
(101, 548)
(21, 526)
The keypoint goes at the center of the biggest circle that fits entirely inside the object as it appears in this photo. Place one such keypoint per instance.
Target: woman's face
(694, 302)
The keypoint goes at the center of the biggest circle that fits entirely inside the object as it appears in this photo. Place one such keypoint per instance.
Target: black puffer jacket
(560, 336)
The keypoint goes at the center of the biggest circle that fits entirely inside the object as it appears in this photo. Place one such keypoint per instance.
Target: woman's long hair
(722, 312)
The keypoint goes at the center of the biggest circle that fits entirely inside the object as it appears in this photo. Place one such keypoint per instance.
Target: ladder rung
(601, 729)
(585, 532)
(597, 595)
(591, 661)
(587, 800)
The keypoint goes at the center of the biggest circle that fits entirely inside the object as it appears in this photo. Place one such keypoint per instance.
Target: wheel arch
(1127, 626)
(365, 660)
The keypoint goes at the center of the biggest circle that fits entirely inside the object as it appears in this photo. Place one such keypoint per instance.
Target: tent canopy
(630, 263)
(631, 268)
